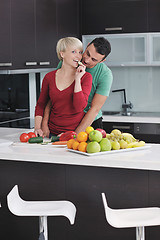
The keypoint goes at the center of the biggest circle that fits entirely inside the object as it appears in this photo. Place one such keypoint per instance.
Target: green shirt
(101, 83)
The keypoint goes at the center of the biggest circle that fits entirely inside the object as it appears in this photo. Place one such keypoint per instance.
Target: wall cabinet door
(127, 49)
(46, 33)
(30, 31)
(54, 20)
(153, 15)
(154, 49)
(5, 38)
(113, 16)
(23, 33)
(68, 18)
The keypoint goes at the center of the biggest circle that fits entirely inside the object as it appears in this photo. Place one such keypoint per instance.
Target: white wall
(142, 86)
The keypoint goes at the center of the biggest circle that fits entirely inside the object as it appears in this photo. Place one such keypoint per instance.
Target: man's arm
(96, 105)
(45, 127)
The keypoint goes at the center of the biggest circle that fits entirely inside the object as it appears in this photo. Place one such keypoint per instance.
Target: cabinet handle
(113, 29)
(44, 63)
(5, 64)
(31, 63)
(121, 127)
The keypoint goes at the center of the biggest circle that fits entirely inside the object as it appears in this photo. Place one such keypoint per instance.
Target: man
(93, 58)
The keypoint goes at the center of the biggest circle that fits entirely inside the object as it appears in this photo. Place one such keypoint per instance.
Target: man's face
(90, 57)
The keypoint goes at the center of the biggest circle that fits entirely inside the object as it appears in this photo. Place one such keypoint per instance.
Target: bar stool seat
(42, 209)
(133, 217)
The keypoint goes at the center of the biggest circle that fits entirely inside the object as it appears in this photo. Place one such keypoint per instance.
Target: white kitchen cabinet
(138, 49)
(155, 49)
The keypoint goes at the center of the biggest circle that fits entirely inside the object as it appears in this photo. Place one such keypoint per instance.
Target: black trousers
(97, 123)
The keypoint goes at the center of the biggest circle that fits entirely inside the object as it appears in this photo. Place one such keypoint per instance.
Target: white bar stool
(133, 217)
(42, 209)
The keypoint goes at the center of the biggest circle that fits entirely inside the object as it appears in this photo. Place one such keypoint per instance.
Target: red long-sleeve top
(67, 106)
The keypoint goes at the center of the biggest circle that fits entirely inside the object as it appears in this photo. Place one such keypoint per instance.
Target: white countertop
(148, 159)
(131, 119)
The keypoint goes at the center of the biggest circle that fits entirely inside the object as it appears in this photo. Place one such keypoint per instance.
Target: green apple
(93, 147)
(102, 131)
(95, 135)
(105, 144)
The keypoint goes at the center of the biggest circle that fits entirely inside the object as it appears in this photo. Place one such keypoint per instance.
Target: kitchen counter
(45, 173)
(135, 118)
(147, 159)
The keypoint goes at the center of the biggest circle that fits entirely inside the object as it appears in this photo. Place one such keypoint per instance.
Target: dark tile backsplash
(14, 91)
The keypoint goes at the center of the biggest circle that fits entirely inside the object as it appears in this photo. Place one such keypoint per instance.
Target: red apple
(102, 131)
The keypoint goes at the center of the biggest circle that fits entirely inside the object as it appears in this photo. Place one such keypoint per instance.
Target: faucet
(125, 106)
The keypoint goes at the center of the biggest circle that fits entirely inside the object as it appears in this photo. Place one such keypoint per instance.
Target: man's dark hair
(102, 46)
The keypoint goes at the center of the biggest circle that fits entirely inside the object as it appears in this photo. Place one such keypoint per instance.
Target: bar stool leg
(43, 226)
(140, 234)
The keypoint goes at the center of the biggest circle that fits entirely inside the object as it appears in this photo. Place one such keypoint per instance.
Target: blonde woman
(67, 88)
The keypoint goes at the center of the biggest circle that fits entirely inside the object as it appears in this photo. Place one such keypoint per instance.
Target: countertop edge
(131, 119)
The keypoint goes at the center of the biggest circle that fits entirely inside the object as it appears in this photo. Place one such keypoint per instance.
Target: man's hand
(96, 105)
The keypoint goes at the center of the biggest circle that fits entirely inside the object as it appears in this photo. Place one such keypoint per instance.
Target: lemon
(89, 129)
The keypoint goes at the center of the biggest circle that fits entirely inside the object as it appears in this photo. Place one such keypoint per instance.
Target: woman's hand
(38, 132)
(80, 72)
(45, 129)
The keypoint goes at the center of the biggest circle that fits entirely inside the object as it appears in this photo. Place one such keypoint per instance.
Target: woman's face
(71, 56)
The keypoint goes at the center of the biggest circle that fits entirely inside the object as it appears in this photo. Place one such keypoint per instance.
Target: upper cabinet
(30, 31)
(113, 16)
(68, 18)
(119, 16)
(154, 49)
(46, 33)
(133, 49)
(153, 16)
(22, 33)
(5, 39)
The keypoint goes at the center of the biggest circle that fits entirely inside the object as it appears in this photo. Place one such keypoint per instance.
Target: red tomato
(24, 137)
(32, 134)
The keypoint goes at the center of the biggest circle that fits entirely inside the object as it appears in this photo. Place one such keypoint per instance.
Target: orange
(82, 147)
(70, 143)
(82, 137)
(75, 145)
(89, 129)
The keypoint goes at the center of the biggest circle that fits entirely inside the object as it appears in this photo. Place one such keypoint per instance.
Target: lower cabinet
(148, 132)
(83, 185)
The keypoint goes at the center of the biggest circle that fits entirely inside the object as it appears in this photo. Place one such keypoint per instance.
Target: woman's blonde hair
(66, 42)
